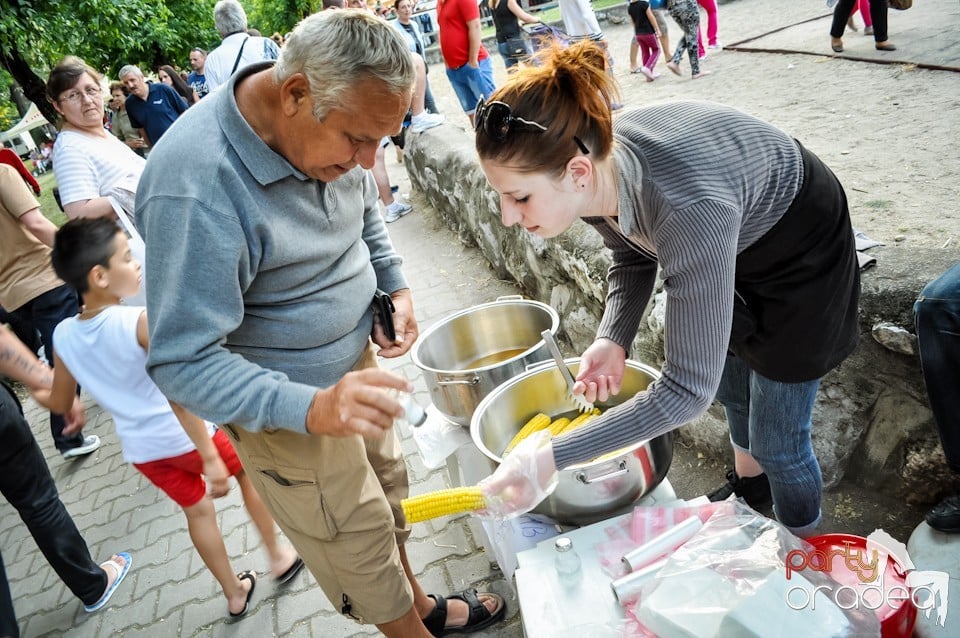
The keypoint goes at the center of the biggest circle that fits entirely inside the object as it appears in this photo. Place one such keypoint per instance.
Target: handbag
(900, 5)
(517, 47)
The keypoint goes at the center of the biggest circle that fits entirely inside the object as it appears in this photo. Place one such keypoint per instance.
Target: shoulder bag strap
(236, 62)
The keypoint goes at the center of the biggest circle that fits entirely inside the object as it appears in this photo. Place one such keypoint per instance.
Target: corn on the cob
(580, 420)
(537, 423)
(557, 426)
(442, 503)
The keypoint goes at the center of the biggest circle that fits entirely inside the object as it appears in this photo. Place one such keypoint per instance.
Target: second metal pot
(465, 356)
(589, 491)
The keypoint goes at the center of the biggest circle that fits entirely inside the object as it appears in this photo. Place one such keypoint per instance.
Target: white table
(586, 608)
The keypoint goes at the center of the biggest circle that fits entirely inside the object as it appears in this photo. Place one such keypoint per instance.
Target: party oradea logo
(859, 575)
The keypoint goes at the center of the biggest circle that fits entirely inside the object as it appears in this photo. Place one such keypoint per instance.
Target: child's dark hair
(80, 245)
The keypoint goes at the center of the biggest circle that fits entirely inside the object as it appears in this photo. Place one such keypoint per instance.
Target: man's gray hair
(337, 49)
(127, 69)
(229, 18)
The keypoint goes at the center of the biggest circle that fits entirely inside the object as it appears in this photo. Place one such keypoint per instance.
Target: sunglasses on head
(496, 119)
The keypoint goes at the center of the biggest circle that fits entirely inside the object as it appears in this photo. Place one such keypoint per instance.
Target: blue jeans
(45, 311)
(770, 420)
(510, 58)
(937, 319)
(26, 483)
(471, 84)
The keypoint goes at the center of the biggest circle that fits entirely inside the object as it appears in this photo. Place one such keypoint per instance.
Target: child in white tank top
(104, 348)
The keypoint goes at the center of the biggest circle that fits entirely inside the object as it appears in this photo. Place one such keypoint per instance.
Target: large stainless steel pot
(466, 355)
(590, 491)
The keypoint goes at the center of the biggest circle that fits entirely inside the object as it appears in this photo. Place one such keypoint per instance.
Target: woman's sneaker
(396, 210)
(754, 490)
(422, 122)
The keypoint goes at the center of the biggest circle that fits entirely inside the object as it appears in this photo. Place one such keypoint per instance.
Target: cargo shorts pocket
(296, 501)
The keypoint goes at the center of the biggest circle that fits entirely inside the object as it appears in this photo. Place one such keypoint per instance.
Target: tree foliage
(279, 16)
(35, 34)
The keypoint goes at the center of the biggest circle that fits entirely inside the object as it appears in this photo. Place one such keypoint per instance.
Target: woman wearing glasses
(89, 162)
(753, 239)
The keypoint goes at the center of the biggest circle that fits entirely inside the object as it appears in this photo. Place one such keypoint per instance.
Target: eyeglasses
(496, 119)
(92, 92)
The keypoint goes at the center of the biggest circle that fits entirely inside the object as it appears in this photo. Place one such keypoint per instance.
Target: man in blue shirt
(151, 107)
(197, 80)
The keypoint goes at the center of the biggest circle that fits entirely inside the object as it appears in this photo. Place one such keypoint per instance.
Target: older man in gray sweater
(265, 252)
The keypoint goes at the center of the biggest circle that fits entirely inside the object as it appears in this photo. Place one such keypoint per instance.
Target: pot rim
(536, 369)
(422, 339)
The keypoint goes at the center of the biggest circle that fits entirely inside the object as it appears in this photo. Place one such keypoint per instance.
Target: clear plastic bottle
(566, 560)
(413, 413)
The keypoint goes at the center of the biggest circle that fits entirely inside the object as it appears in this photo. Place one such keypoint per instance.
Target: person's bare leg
(419, 86)
(282, 557)
(457, 611)
(207, 538)
(381, 177)
(745, 465)
(634, 48)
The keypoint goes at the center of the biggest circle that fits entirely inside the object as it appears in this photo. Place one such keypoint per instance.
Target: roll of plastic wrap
(626, 587)
(662, 543)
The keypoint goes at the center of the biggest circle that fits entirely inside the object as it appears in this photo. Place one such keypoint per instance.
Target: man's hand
(217, 475)
(601, 371)
(405, 324)
(76, 418)
(357, 404)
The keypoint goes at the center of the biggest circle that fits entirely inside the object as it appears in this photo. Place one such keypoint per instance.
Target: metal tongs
(578, 399)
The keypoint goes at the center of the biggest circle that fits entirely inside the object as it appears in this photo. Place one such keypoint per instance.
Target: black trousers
(45, 312)
(26, 483)
(878, 14)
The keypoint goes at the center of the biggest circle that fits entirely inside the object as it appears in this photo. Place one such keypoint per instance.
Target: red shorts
(181, 477)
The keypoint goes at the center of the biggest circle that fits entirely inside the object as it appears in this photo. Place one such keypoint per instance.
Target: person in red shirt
(468, 63)
(7, 156)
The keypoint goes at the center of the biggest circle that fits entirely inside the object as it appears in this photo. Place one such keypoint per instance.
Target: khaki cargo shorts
(338, 501)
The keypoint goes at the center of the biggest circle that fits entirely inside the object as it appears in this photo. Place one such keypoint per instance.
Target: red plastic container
(897, 617)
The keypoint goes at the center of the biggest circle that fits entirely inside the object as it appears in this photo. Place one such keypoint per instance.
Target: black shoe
(754, 490)
(945, 517)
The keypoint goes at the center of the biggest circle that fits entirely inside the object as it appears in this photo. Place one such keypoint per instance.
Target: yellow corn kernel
(442, 503)
(539, 422)
(580, 420)
(557, 426)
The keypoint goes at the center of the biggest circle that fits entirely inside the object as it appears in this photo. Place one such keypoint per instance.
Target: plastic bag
(644, 524)
(730, 580)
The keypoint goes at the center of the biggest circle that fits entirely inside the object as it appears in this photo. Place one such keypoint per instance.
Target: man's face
(136, 85)
(196, 61)
(347, 136)
(356, 4)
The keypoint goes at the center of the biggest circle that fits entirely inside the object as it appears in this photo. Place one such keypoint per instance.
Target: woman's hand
(601, 371)
(527, 476)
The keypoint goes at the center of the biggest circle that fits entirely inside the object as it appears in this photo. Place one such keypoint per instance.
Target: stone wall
(872, 421)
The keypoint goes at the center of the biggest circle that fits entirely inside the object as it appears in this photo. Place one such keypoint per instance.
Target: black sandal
(478, 618)
(252, 577)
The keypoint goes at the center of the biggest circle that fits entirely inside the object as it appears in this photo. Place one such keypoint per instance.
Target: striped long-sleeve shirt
(697, 183)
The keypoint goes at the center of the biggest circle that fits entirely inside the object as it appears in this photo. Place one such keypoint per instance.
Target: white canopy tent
(33, 119)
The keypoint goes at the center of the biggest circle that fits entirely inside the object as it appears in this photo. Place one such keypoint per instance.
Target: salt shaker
(412, 412)
(566, 560)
